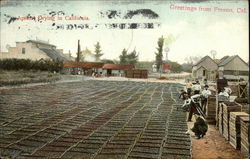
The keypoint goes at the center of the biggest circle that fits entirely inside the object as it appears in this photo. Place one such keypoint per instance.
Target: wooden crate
(137, 75)
(234, 128)
(245, 107)
(244, 135)
(227, 108)
(218, 101)
(234, 89)
(211, 109)
(144, 74)
(137, 71)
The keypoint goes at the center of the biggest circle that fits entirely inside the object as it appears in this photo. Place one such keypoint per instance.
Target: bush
(27, 64)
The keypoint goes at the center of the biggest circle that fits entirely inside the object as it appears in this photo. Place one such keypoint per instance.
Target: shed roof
(87, 65)
(226, 59)
(118, 66)
(54, 54)
(201, 67)
(203, 59)
(40, 42)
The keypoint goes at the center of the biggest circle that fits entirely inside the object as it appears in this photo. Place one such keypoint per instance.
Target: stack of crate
(211, 109)
(227, 108)
(129, 74)
(144, 73)
(218, 109)
(245, 107)
(234, 89)
(137, 73)
(234, 128)
(220, 117)
(244, 130)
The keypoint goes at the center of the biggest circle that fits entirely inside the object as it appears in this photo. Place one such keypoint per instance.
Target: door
(109, 72)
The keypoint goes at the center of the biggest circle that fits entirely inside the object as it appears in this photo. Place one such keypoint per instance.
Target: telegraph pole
(78, 52)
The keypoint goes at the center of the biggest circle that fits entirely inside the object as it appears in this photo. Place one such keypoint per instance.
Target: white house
(34, 50)
(206, 68)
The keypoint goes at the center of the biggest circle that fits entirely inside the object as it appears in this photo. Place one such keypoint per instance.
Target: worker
(195, 99)
(224, 93)
(200, 127)
(228, 90)
(186, 106)
(205, 94)
(183, 95)
(196, 87)
(205, 82)
(189, 88)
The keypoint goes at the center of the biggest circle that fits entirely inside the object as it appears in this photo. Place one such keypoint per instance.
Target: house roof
(201, 67)
(118, 66)
(223, 58)
(87, 65)
(54, 54)
(40, 42)
(217, 60)
(203, 59)
(226, 59)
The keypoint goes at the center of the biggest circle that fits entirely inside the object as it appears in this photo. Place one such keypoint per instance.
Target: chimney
(78, 52)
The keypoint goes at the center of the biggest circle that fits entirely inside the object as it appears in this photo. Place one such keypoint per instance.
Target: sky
(222, 27)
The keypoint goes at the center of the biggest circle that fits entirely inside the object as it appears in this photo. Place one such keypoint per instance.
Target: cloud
(229, 37)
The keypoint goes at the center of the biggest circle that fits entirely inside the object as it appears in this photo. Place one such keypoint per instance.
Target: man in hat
(195, 100)
(205, 94)
(183, 95)
(197, 87)
(189, 88)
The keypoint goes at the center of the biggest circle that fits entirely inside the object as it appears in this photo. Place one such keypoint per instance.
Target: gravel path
(93, 119)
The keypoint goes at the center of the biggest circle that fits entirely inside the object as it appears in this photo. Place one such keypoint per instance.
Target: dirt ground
(213, 146)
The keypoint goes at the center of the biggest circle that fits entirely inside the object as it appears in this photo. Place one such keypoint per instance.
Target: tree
(98, 51)
(187, 67)
(158, 54)
(123, 57)
(87, 55)
(108, 61)
(175, 67)
(130, 58)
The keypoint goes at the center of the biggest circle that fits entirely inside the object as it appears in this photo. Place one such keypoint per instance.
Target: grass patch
(163, 78)
(8, 78)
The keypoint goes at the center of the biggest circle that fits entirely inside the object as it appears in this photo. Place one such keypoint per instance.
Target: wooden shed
(234, 68)
(206, 68)
(116, 69)
(86, 68)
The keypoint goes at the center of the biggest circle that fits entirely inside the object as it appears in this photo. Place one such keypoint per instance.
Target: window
(23, 50)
